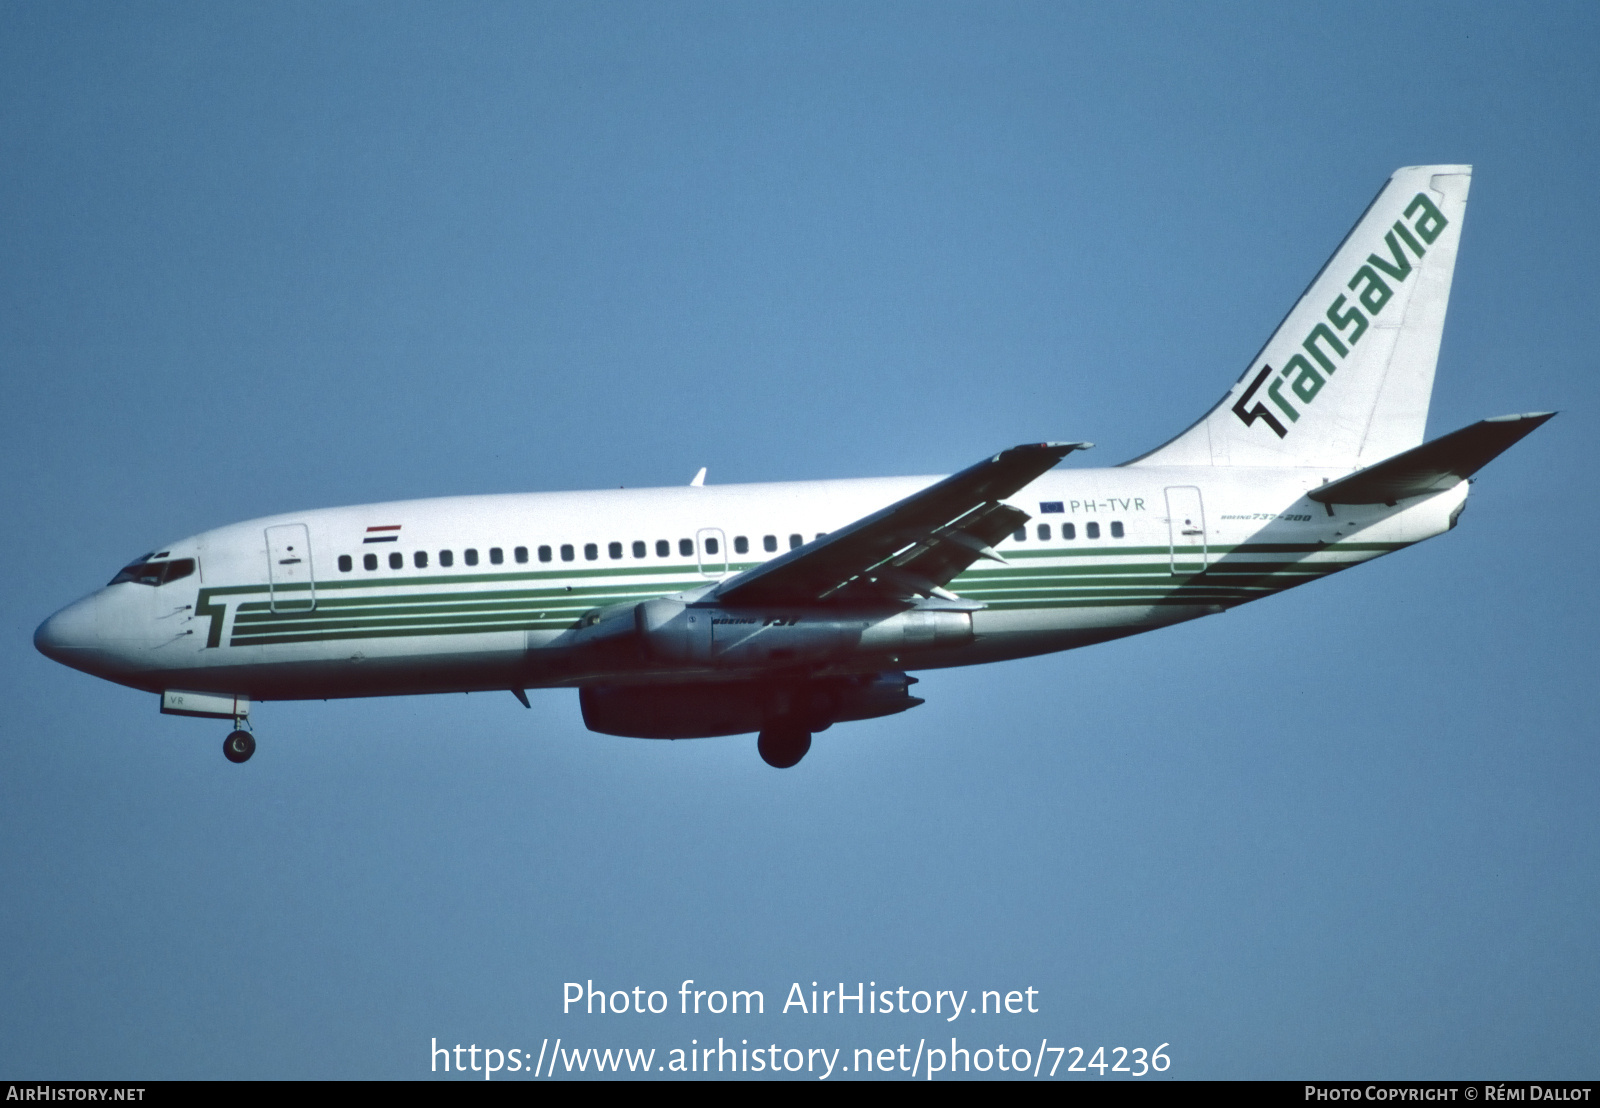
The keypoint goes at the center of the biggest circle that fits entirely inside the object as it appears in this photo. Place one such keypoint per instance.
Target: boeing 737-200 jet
(783, 609)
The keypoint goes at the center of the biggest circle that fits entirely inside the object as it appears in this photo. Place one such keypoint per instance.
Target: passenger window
(711, 546)
(345, 564)
(686, 548)
(566, 552)
(615, 550)
(591, 551)
(663, 548)
(397, 560)
(741, 545)
(470, 556)
(1116, 528)
(1091, 530)
(1069, 531)
(1020, 534)
(369, 561)
(639, 549)
(769, 543)
(421, 559)
(521, 555)
(496, 555)
(1044, 532)
(544, 553)
(795, 542)
(447, 558)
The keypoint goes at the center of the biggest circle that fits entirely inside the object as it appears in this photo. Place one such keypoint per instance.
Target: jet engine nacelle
(703, 711)
(676, 633)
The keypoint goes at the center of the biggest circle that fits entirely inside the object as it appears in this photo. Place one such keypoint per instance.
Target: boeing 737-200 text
(782, 609)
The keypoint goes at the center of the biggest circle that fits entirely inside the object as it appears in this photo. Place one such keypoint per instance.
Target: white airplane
(785, 608)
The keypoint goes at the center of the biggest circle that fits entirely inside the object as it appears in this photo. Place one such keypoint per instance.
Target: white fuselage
(490, 592)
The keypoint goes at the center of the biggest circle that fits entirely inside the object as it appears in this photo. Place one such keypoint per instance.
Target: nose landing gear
(239, 745)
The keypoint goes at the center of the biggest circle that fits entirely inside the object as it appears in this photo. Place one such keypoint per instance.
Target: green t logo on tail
(1372, 290)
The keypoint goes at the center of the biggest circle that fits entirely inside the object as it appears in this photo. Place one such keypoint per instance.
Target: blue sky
(259, 259)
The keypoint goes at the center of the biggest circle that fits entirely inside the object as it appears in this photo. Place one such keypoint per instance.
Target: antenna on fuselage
(699, 479)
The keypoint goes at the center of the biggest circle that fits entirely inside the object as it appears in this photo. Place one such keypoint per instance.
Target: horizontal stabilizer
(1434, 466)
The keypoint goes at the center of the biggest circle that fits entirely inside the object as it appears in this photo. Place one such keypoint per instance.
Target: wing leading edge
(911, 548)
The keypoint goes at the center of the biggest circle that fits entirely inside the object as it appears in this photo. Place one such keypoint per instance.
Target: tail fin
(1346, 378)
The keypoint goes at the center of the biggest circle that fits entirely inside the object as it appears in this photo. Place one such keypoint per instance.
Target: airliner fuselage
(489, 592)
(785, 608)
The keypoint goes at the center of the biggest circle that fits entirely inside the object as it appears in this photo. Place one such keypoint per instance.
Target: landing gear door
(1186, 530)
(713, 547)
(289, 579)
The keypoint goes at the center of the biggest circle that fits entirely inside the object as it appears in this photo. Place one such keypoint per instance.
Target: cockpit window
(146, 572)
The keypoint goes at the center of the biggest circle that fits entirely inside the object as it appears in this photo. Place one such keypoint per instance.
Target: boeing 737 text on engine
(783, 609)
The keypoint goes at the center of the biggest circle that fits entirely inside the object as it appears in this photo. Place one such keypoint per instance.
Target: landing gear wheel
(783, 745)
(239, 745)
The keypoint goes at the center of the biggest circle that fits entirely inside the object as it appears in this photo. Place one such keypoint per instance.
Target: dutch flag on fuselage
(388, 533)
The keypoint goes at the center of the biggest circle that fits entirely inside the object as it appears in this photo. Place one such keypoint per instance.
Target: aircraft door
(712, 545)
(290, 583)
(1186, 530)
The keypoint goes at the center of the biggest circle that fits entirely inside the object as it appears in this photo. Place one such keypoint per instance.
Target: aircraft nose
(72, 628)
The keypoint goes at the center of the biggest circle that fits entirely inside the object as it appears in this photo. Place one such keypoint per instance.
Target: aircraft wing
(913, 547)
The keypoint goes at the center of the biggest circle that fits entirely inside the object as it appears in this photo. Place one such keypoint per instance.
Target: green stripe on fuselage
(554, 599)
